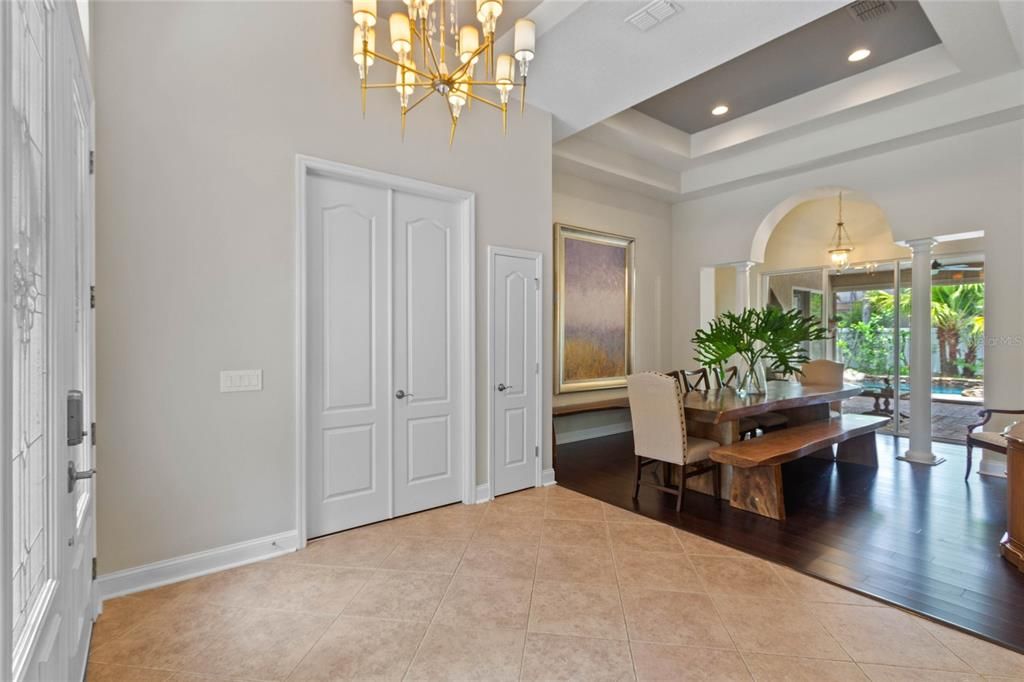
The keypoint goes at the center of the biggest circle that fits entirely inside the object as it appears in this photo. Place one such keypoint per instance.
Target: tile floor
(541, 585)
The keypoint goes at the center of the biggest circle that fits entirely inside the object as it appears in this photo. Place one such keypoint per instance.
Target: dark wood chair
(693, 380)
(768, 421)
(986, 440)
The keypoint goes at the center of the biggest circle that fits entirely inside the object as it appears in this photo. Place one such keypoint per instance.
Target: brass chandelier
(840, 251)
(433, 24)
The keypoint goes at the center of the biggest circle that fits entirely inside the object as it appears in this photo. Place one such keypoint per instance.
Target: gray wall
(201, 109)
(587, 204)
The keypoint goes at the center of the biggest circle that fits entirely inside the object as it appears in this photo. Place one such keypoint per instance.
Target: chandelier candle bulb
(469, 42)
(525, 39)
(364, 12)
(401, 34)
(487, 12)
(358, 56)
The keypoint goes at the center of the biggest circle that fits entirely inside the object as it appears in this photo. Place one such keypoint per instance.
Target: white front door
(49, 237)
(515, 369)
(348, 390)
(385, 347)
(428, 459)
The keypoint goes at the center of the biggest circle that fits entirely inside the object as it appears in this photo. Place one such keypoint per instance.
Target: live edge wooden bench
(757, 472)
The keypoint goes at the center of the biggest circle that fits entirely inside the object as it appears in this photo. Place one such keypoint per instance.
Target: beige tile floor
(542, 585)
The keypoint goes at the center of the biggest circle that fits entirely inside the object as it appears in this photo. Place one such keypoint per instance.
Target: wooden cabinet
(1012, 545)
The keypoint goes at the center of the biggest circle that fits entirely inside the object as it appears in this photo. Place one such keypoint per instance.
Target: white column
(920, 451)
(743, 284)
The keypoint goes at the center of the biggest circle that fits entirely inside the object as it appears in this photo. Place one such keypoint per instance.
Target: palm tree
(957, 312)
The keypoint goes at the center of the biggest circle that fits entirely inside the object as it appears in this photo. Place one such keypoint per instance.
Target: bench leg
(759, 490)
(824, 453)
(860, 450)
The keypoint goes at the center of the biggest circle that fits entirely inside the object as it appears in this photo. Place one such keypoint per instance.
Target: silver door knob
(402, 394)
(74, 475)
(503, 387)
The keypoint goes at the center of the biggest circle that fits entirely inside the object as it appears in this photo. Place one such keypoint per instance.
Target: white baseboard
(180, 568)
(483, 493)
(992, 464)
(547, 477)
(594, 432)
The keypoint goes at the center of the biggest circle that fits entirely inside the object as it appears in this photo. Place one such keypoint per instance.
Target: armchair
(986, 440)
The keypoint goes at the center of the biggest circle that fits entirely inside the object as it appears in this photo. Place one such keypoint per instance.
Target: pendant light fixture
(840, 252)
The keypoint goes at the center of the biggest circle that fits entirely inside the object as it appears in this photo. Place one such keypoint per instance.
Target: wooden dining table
(715, 414)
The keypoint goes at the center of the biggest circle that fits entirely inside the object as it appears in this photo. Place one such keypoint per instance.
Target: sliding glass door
(871, 335)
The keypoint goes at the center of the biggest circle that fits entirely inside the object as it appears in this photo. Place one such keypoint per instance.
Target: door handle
(402, 394)
(503, 387)
(74, 475)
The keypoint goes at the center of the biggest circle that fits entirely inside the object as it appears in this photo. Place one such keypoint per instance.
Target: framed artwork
(593, 309)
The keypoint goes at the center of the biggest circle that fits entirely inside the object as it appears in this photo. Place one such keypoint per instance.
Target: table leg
(860, 450)
(724, 433)
(759, 490)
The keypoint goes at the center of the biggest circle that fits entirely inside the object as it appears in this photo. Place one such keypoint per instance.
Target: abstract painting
(594, 309)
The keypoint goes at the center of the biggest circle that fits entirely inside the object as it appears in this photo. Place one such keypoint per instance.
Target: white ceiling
(972, 79)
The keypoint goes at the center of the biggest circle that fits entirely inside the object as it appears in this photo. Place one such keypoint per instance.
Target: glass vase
(752, 381)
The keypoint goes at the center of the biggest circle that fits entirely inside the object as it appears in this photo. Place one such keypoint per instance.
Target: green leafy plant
(774, 337)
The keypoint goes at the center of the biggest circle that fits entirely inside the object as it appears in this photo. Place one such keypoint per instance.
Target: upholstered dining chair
(748, 425)
(659, 434)
(693, 379)
(986, 440)
(824, 373)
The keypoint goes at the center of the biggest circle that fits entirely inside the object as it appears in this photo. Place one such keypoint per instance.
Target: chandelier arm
(415, 104)
(465, 65)
(408, 68)
(514, 85)
(486, 101)
(433, 57)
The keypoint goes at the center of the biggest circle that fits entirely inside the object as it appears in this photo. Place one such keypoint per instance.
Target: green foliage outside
(958, 316)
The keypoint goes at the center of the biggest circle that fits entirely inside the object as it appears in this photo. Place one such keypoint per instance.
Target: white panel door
(515, 393)
(348, 399)
(428, 457)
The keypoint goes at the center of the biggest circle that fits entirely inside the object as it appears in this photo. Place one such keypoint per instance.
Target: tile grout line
(622, 605)
(533, 585)
(448, 587)
(714, 606)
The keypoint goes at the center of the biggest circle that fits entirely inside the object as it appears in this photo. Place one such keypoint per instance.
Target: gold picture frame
(596, 361)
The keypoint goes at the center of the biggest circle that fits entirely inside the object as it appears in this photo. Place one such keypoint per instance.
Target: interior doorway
(386, 344)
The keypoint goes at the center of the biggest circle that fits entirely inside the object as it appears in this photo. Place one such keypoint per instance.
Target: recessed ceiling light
(858, 55)
(719, 110)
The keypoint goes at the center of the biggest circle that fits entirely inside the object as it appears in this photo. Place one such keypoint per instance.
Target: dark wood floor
(915, 536)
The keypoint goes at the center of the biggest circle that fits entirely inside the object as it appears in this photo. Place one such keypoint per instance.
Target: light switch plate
(232, 380)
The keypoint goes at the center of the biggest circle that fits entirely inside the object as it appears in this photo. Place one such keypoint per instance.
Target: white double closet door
(384, 343)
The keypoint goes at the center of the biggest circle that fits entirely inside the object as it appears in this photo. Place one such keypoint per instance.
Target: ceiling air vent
(869, 10)
(652, 14)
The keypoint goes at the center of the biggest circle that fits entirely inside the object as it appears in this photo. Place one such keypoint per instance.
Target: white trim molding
(304, 167)
(548, 477)
(483, 493)
(208, 561)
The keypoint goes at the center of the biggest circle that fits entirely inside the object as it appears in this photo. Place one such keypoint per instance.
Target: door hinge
(92, 162)
(537, 369)
(536, 451)
(92, 433)
(94, 568)
(92, 295)
(536, 282)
